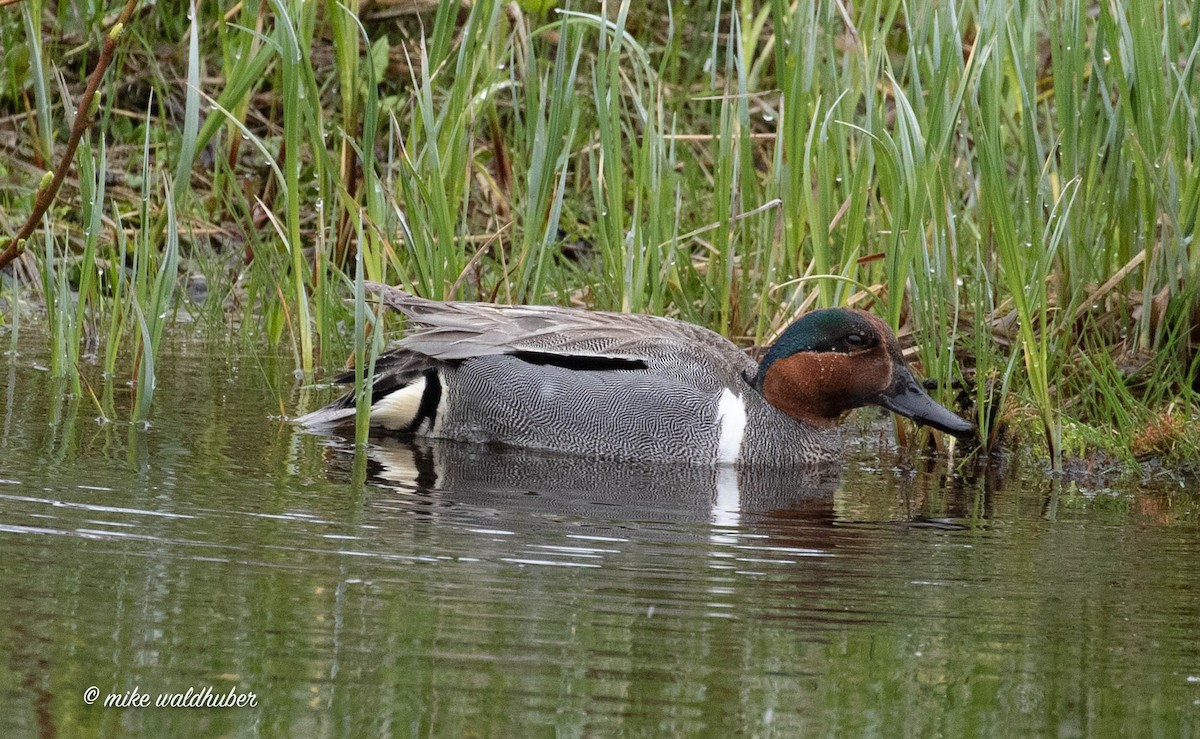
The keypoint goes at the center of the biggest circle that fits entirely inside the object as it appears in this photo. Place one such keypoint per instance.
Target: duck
(625, 386)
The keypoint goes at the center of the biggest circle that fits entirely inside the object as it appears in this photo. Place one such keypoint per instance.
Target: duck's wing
(453, 331)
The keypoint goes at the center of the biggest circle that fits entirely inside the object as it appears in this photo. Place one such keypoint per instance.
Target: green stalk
(191, 112)
(31, 17)
(291, 61)
(549, 122)
(1023, 270)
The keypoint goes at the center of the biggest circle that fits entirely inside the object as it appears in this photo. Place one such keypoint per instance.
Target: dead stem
(84, 113)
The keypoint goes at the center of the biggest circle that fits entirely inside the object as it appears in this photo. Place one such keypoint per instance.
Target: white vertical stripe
(731, 419)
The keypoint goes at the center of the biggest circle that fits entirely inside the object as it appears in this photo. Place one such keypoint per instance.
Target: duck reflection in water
(449, 473)
(600, 491)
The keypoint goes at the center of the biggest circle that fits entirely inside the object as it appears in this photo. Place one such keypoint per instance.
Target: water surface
(452, 590)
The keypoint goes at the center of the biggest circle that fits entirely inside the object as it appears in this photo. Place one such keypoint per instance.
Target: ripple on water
(459, 590)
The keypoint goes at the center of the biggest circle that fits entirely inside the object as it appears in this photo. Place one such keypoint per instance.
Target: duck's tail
(405, 394)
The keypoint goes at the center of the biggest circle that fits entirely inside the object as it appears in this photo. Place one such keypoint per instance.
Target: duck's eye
(856, 340)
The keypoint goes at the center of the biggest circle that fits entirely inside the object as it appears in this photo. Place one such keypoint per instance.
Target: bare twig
(84, 113)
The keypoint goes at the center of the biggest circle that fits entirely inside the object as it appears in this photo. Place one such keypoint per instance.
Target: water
(447, 590)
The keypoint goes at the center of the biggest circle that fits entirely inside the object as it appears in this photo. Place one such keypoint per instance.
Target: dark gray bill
(909, 399)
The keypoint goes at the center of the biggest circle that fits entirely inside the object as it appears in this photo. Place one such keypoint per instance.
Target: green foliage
(1013, 186)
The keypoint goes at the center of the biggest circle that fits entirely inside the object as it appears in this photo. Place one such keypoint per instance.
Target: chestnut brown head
(831, 361)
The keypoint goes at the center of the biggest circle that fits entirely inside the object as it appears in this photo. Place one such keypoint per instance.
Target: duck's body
(629, 386)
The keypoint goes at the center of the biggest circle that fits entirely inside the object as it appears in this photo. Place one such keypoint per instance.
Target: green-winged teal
(631, 386)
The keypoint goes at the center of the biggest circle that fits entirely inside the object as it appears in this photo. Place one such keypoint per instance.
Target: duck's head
(833, 360)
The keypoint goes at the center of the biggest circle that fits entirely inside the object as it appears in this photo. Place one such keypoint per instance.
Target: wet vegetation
(1015, 187)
